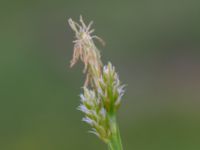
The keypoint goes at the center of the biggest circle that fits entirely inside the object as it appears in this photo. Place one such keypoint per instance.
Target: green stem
(115, 141)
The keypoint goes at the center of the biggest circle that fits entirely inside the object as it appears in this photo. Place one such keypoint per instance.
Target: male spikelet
(102, 91)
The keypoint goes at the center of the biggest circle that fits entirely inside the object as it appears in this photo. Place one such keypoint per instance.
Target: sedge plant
(102, 90)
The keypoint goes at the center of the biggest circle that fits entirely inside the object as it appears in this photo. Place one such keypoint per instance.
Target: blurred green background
(154, 45)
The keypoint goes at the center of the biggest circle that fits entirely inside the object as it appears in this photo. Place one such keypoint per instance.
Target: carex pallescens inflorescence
(102, 90)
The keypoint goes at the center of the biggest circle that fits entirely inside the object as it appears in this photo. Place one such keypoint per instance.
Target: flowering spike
(102, 91)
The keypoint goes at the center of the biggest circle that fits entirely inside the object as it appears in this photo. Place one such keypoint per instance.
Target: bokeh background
(155, 46)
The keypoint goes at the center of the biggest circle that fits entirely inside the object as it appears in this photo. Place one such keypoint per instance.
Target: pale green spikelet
(110, 89)
(95, 114)
(102, 91)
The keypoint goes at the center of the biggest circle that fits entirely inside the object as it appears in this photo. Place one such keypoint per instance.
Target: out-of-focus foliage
(154, 45)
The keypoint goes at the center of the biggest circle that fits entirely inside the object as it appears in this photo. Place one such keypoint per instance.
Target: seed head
(110, 89)
(100, 100)
(84, 47)
(95, 114)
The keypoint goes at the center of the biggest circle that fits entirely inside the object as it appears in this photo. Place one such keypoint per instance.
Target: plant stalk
(115, 141)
